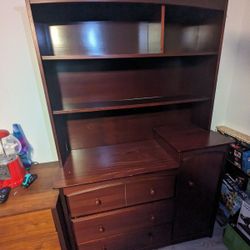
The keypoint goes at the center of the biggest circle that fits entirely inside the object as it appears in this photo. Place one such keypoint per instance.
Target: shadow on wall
(32, 55)
(37, 81)
(244, 52)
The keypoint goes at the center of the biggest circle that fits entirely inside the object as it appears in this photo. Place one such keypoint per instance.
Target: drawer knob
(152, 191)
(98, 202)
(152, 218)
(191, 184)
(101, 229)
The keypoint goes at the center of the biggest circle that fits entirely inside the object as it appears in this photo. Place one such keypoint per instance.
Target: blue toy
(26, 151)
(28, 180)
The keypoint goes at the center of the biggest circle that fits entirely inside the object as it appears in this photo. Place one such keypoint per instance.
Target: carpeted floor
(214, 243)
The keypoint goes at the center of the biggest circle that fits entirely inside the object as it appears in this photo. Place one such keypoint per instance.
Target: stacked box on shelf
(243, 223)
(231, 198)
(231, 195)
(239, 155)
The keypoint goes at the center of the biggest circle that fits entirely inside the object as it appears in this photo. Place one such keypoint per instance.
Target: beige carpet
(214, 243)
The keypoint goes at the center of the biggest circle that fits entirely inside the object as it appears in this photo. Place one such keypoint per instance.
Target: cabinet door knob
(191, 184)
(152, 217)
(104, 248)
(98, 202)
(152, 191)
(101, 229)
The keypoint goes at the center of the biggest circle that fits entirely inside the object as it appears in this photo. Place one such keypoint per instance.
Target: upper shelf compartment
(77, 86)
(190, 31)
(97, 29)
(206, 4)
(209, 4)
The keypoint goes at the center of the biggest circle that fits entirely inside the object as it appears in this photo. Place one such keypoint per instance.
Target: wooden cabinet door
(197, 186)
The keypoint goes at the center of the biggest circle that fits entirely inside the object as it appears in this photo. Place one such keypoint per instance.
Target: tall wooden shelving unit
(118, 76)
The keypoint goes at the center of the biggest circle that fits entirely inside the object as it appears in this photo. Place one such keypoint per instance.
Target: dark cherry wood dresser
(130, 88)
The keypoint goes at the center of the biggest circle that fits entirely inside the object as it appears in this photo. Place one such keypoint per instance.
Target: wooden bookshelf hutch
(130, 88)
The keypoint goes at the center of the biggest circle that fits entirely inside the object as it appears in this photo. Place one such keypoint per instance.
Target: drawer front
(123, 220)
(96, 199)
(119, 242)
(150, 188)
(40, 242)
(32, 224)
(141, 239)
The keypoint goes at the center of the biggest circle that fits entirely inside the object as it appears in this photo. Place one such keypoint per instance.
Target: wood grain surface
(190, 137)
(145, 238)
(33, 224)
(111, 162)
(122, 220)
(48, 241)
(212, 4)
(40, 195)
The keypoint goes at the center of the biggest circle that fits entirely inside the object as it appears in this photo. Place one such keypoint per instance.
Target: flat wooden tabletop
(40, 195)
(188, 137)
(106, 163)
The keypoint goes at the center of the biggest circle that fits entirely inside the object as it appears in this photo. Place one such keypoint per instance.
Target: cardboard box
(240, 157)
(231, 195)
(243, 223)
(246, 162)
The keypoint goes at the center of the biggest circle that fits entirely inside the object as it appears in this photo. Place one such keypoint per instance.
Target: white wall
(232, 102)
(238, 108)
(22, 99)
(21, 96)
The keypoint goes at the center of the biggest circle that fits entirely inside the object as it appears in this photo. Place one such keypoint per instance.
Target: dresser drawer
(85, 200)
(150, 188)
(122, 220)
(141, 239)
(118, 242)
(47, 241)
(33, 224)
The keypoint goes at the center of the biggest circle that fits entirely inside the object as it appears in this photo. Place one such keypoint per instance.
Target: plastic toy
(28, 180)
(25, 153)
(4, 194)
(11, 168)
